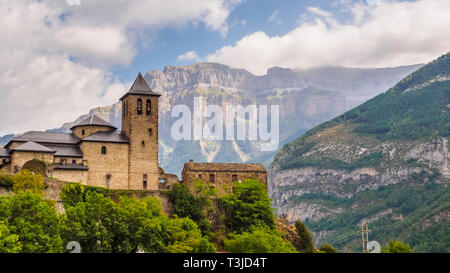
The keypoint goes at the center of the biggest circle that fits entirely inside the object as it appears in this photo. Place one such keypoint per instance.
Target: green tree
(9, 243)
(249, 205)
(258, 241)
(396, 247)
(35, 221)
(187, 205)
(101, 225)
(327, 248)
(307, 243)
(26, 180)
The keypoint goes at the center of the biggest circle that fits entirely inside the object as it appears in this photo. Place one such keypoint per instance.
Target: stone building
(95, 152)
(222, 174)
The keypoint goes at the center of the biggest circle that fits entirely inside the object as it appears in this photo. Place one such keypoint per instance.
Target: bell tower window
(139, 106)
(148, 107)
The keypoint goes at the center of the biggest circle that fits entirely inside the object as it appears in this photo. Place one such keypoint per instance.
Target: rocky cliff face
(384, 162)
(306, 98)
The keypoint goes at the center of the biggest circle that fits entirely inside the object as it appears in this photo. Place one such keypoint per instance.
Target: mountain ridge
(344, 172)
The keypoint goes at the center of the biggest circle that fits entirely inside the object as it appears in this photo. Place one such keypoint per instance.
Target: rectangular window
(234, 177)
(211, 178)
(144, 182)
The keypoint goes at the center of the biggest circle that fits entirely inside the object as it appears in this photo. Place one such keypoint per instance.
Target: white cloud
(55, 57)
(274, 15)
(386, 34)
(188, 56)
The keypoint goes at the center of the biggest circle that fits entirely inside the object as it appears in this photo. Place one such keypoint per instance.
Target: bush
(327, 248)
(258, 241)
(249, 205)
(307, 243)
(396, 247)
(26, 180)
(6, 181)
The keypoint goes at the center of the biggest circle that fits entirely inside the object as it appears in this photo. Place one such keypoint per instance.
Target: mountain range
(384, 163)
(306, 98)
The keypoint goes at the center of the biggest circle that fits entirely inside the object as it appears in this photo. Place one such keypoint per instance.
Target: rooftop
(225, 167)
(112, 136)
(4, 152)
(70, 167)
(140, 87)
(69, 151)
(31, 146)
(45, 137)
(93, 120)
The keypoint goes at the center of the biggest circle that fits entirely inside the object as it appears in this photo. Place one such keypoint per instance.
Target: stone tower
(140, 125)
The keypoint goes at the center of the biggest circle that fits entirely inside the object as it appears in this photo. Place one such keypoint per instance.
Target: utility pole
(365, 237)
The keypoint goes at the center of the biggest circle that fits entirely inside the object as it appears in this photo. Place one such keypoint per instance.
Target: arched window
(139, 106)
(83, 132)
(103, 150)
(74, 161)
(211, 178)
(148, 107)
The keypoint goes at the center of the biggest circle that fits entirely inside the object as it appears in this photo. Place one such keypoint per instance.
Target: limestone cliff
(384, 162)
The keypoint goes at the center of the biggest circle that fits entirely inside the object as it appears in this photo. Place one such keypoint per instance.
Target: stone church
(96, 153)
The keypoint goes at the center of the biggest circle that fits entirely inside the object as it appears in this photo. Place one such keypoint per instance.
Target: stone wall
(18, 159)
(222, 179)
(108, 170)
(79, 176)
(89, 130)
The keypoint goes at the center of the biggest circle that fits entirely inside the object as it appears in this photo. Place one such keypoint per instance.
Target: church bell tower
(140, 125)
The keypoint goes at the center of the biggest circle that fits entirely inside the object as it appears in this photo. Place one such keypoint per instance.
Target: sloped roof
(46, 137)
(4, 152)
(31, 146)
(70, 151)
(225, 167)
(93, 120)
(140, 87)
(70, 167)
(112, 136)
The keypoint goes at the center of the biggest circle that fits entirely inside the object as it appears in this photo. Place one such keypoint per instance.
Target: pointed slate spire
(140, 87)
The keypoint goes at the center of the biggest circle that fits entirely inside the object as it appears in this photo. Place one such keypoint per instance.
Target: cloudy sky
(60, 59)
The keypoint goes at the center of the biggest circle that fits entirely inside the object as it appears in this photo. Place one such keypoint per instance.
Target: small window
(139, 106)
(103, 150)
(3, 161)
(63, 161)
(144, 182)
(211, 178)
(234, 177)
(200, 176)
(74, 161)
(83, 132)
(148, 107)
(150, 131)
(143, 143)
